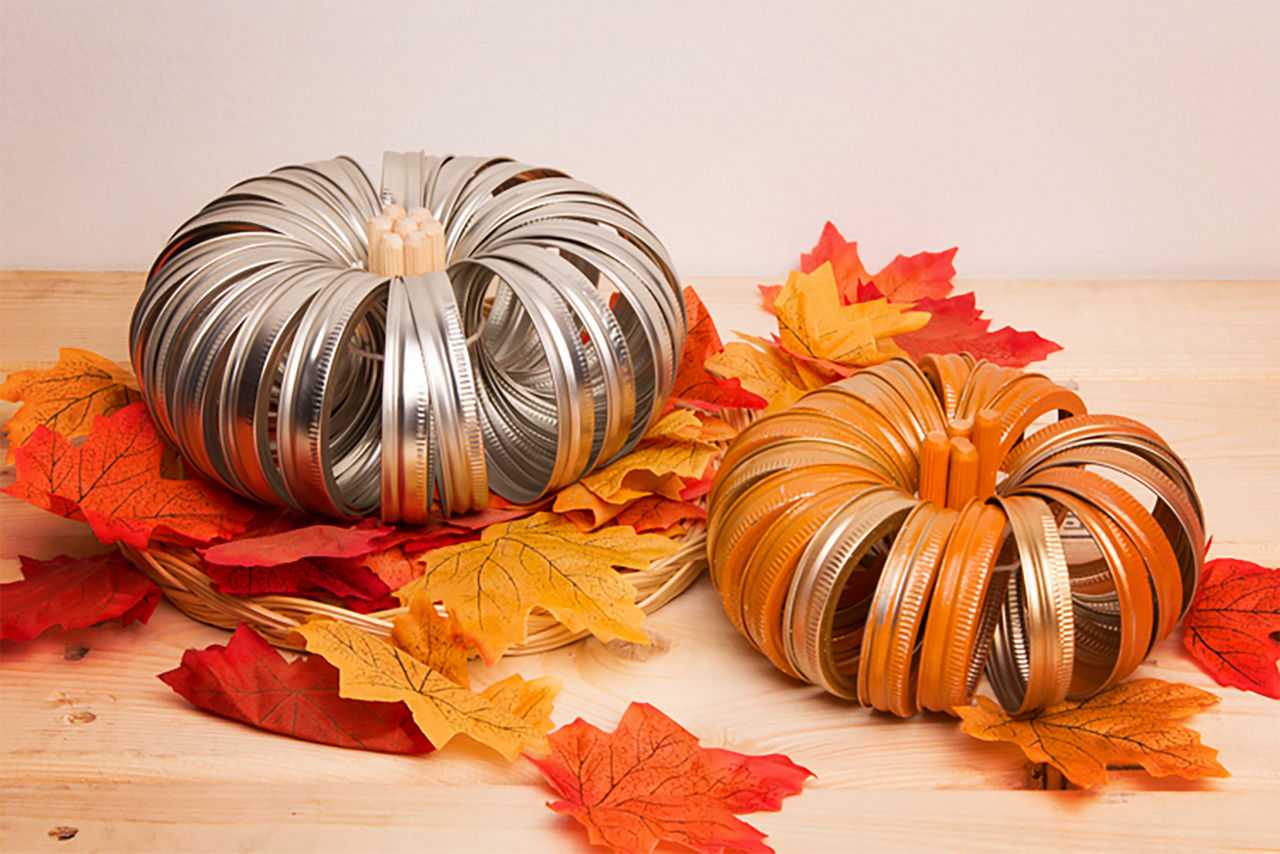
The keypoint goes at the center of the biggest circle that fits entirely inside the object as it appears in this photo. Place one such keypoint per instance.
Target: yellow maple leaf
(575, 499)
(372, 669)
(654, 468)
(489, 586)
(763, 369)
(1133, 723)
(685, 425)
(813, 322)
(530, 701)
(67, 397)
(432, 639)
(679, 425)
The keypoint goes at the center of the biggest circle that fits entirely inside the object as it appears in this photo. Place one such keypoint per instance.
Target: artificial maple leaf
(923, 281)
(497, 511)
(650, 781)
(371, 669)
(957, 326)
(530, 701)
(657, 513)
(248, 680)
(432, 639)
(762, 368)
(1132, 723)
(685, 425)
(654, 468)
(298, 543)
(393, 566)
(1230, 628)
(489, 586)
(72, 593)
(694, 386)
(67, 397)
(815, 323)
(925, 275)
(586, 509)
(660, 468)
(113, 481)
(678, 425)
(695, 489)
(347, 579)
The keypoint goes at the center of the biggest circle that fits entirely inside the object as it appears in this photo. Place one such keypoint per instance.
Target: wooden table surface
(101, 745)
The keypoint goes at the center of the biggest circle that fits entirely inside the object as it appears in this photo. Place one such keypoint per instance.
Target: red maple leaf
(345, 578)
(299, 543)
(957, 326)
(113, 481)
(248, 680)
(696, 387)
(1231, 625)
(72, 593)
(694, 489)
(650, 781)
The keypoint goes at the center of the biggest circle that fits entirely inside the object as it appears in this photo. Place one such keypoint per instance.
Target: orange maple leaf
(904, 279)
(393, 566)
(650, 781)
(489, 586)
(67, 397)
(656, 513)
(1132, 723)
(1230, 628)
(694, 386)
(113, 482)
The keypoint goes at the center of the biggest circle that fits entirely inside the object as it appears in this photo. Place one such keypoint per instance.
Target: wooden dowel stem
(375, 230)
(417, 254)
(390, 258)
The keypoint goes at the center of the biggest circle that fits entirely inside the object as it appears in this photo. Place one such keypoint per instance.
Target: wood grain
(100, 745)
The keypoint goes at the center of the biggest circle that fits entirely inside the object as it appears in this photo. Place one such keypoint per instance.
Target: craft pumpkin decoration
(479, 324)
(865, 542)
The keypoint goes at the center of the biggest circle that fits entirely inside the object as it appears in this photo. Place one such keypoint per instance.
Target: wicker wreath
(893, 535)
(177, 571)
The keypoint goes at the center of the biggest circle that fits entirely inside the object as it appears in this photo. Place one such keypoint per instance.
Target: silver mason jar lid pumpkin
(284, 369)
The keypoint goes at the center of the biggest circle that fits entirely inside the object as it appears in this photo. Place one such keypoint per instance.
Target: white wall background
(1047, 139)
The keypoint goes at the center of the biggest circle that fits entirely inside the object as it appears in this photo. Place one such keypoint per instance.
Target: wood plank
(201, 817)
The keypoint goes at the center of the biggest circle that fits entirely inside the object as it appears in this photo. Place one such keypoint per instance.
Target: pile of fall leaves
(85, 447)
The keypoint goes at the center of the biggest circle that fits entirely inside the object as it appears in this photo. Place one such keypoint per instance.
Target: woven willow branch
(177, 572)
